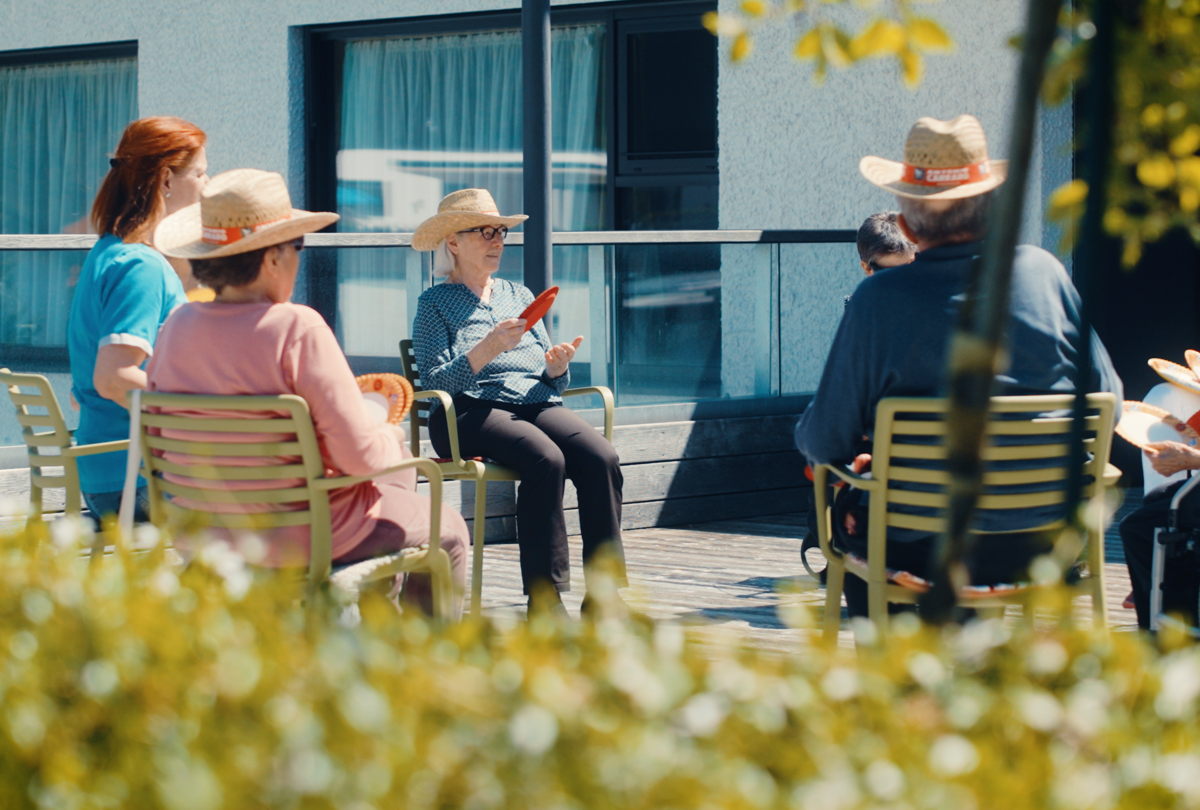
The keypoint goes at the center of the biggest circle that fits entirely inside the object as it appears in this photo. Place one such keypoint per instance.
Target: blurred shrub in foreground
(134, 684)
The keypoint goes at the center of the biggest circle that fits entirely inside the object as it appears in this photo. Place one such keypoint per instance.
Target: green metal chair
(909, 434)
(286, 471)
(58, 436)
(476, 469)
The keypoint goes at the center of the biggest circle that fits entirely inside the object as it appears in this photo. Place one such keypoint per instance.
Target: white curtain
(424, 116)
(58, 125)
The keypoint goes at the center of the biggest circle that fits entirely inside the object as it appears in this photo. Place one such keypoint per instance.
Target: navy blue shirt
(893, 336)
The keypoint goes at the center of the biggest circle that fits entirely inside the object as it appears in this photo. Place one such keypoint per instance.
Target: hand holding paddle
(1168, 458)
(504, 337)
(559, 357)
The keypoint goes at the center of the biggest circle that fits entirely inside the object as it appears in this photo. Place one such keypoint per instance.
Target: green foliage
(1154, 184)
(903, 35)
(135, 684)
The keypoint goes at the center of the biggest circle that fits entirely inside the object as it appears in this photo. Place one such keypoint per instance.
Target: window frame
(55, 359)
(323, 60)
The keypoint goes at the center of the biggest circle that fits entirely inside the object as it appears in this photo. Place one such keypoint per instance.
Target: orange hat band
(227, 236)
(951, 176)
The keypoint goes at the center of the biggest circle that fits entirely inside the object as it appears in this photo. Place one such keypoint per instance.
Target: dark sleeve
(842, 410)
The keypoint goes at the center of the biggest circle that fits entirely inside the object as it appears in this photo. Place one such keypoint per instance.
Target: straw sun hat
(461, 211)
(239, 211)
(943, 160)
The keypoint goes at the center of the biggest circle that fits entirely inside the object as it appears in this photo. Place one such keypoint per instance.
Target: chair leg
(479, 530)
(835, 576)
(877, 606)
(443, 586)
(1099, 603)
(35, 502)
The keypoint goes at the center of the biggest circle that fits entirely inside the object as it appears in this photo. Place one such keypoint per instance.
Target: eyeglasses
(488, 234)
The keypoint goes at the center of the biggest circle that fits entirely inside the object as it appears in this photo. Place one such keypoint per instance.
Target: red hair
(130, 203)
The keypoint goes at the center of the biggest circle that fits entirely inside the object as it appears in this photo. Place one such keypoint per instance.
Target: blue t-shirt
(124, 294)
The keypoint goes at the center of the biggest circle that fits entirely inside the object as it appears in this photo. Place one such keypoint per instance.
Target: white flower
(953, 755)
(533, 729)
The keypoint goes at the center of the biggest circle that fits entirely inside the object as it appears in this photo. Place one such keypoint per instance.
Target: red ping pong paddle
(540, 306)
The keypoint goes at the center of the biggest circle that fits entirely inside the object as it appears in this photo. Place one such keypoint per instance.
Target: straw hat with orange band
(943, 160)
(239, 211)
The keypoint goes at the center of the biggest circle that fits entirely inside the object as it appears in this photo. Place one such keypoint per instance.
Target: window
(404, 112)
(61, 113)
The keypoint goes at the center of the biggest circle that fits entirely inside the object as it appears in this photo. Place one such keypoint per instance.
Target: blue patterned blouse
(451, 320)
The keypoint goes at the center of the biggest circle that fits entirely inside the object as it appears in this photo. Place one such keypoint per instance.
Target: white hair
(443, 260)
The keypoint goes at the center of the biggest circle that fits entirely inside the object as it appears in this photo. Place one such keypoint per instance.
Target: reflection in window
(424, 116)
(59, 123)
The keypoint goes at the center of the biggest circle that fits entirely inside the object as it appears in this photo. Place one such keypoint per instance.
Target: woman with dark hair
(126, 290)
(244, 241)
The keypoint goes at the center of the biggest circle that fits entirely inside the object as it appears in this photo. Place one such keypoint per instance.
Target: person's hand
(74, 402)
(1168, 458)
(558, 359)
(506, 335)
(399, 432)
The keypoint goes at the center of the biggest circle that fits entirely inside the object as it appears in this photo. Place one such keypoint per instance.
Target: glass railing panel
(36, 288)
(581, 310)
(814, 280)
(692, 322)
(377, 291)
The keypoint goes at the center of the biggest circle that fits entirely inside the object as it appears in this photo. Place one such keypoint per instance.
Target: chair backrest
(1027, 457)
(420, 408)
(235, 462)
(58, 435)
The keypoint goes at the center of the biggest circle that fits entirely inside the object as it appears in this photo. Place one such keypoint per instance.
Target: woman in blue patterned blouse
(507, 385)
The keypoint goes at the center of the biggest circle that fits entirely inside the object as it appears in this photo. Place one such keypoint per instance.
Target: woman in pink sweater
(243, 239)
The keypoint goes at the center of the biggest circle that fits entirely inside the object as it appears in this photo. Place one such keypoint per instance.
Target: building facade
(376, 109)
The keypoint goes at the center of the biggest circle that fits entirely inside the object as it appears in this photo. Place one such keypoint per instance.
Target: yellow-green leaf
(723, 24)
(1115, 221)
(809, 45)
(880, 38)
(929, 35)
(837, 47)
(1157, 171)
(912, 65)
(755, 8)
(1188, 170)
(1187, 142)
(1069, 195)
(741, 47)
(1132, 252)
(1153, 115)
(1189, 200)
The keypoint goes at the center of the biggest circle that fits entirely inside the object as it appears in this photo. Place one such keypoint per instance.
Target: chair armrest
(92, 449)
(853, 479)
(427, 467)
(451, 422)
(605, 394)
(820, 487)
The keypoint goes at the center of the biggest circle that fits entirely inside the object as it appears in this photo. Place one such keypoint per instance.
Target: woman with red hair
(127, 289)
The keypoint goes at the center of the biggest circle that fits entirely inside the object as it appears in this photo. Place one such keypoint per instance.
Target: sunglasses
(297, 244)
(489, 234)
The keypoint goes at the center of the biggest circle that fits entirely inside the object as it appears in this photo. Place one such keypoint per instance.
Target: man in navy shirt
(892, 340)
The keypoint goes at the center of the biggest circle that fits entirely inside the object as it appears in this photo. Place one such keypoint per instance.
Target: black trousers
(1181, 585)
(546, 443)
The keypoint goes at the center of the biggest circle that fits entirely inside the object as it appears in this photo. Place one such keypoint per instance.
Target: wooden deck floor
(730, 574)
